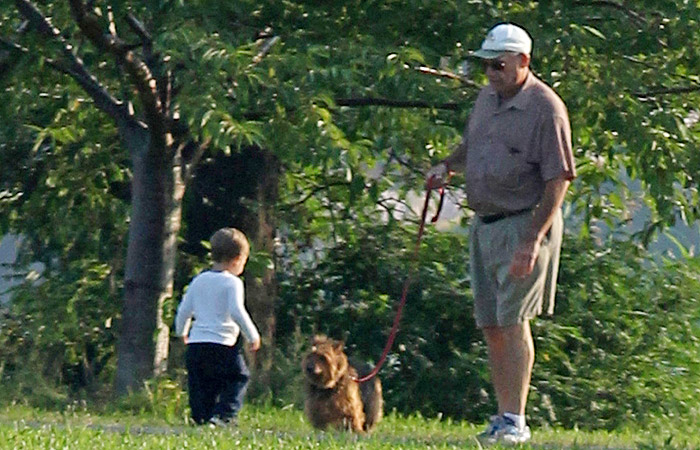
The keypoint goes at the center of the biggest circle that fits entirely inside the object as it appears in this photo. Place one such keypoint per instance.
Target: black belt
(496, 217)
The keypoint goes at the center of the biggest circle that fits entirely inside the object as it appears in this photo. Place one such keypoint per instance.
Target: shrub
(58, 334)
(624, 345)
(621, 347)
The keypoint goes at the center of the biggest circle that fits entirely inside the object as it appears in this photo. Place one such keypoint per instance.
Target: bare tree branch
(139, 28)
(112, 24)
(653, 65)
(446, 74)
(411, 168)
(164, 80)
(141, 75)
(390, 205)
(315, 190)
(59, 67)
(265, 49)
(191, 164)
(635, 16)
(354, 102)
(75, 67)
(666, 91)
(376, 101)
(146, 40)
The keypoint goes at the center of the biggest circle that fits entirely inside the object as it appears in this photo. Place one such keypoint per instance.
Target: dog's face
(326, 362)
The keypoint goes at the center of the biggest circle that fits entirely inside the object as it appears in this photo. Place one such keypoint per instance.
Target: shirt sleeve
(183, 319)
(240, 315)
(556, 155)
(458, 159)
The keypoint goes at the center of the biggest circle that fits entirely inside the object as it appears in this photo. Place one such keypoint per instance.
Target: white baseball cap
(504, 37)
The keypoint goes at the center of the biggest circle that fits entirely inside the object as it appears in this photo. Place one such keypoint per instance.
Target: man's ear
(524, 60)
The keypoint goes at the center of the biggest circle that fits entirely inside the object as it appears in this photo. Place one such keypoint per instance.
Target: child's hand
(184, 339)
(254, 346)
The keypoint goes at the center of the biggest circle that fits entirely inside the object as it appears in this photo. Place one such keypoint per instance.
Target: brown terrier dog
(332, 396)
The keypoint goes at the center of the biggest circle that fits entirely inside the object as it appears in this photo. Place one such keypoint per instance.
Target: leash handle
(441, 189)
(407, 283)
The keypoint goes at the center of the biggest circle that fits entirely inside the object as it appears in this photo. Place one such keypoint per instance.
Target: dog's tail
(372, 398)
(373, 403)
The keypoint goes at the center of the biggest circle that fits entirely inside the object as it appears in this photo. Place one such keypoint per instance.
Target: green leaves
(621, 336)
(226, 132)
(587, 28)
(259, 263)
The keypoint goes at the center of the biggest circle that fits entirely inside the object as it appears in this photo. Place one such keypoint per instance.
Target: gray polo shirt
(515, 147)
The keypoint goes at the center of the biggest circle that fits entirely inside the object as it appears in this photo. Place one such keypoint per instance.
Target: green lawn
(265, 428)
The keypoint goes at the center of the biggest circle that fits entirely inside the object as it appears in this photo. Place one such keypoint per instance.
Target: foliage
(55, 335)
(625, 347)
(621, 77)
(621, 349)
(163, 397)
(67, 313)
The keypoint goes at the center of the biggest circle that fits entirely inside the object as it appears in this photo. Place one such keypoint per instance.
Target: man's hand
(524, 258)
(435, 177)
(525, 255)
(254, 346)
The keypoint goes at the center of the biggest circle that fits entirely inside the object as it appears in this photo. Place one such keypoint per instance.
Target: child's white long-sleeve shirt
(215, 300)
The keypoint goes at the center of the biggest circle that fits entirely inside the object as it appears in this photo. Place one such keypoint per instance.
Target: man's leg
(511, 356)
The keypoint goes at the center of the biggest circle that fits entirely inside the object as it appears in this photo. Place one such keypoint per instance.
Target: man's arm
(440, 170)
(457, 158)
(526, 254)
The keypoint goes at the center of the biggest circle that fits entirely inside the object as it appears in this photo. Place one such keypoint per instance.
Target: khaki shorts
(501, 299)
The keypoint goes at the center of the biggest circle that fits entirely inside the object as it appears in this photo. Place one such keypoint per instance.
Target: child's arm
(241, 316)
(183, 319)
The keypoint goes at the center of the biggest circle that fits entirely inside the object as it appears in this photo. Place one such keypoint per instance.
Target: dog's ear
(318, 339)
(338, 346)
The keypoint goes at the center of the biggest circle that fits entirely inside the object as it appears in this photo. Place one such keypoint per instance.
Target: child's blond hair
(228, 243)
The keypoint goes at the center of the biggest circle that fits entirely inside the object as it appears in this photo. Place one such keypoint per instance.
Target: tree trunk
(259, 225)
(156, 201)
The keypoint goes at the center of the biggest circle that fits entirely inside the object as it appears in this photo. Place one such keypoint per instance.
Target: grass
(267, 428)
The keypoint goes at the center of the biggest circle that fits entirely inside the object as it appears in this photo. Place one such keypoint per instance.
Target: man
(517, 158)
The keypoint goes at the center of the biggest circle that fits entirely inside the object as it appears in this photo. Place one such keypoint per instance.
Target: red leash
(407, 283)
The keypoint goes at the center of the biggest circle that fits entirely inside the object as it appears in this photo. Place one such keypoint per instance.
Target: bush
(437, 364)
(57, 335)
(162, 397)
(622, 346)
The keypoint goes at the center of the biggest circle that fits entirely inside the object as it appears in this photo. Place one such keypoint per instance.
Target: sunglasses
(496, 65)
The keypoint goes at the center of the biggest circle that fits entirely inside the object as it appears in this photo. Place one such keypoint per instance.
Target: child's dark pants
(217, 380)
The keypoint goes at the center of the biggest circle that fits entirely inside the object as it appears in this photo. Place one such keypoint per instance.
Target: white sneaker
(217, 421)
(490, 435)
(509, 433)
